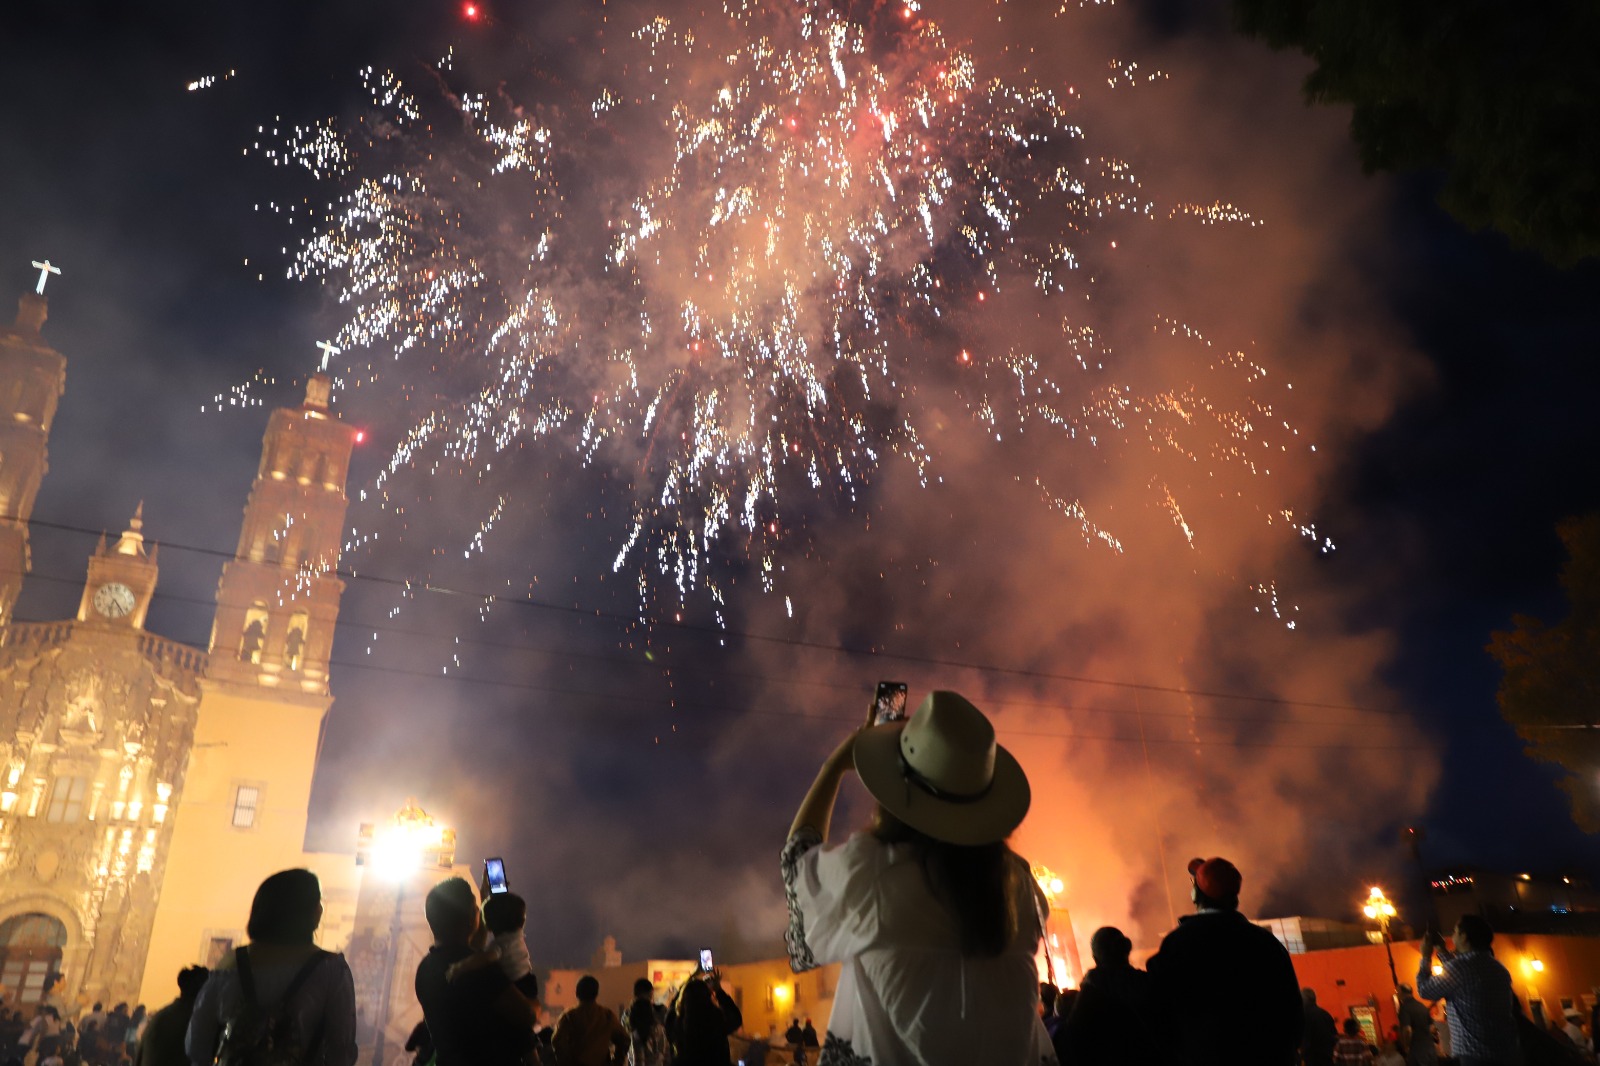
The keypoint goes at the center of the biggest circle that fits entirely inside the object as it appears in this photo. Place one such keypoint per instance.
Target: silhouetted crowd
(934, 922)
(43, 1037)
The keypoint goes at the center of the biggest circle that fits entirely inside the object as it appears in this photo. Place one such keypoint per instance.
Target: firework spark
(743, 272)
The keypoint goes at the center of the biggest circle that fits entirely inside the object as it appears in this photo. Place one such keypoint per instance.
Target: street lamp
(1050, 887)
(1377, 908)
(395, 851)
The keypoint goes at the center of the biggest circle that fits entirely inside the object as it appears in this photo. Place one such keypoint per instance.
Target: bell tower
(278, 598)
(264, 694)
(32, 377)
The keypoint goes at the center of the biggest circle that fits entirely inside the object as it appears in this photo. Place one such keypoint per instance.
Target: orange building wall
(1352, 977)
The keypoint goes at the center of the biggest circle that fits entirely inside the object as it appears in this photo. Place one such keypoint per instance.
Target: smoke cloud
(638, 775)
(632, 791)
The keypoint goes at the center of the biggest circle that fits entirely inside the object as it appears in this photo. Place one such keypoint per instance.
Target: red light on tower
(361, 435)
(470, 11)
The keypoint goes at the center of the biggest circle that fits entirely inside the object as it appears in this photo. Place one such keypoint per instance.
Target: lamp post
(1377, 908)
(1050, 887)
(395, 851)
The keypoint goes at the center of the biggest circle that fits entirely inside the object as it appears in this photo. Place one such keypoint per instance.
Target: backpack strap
(247, 980)
(302, 975)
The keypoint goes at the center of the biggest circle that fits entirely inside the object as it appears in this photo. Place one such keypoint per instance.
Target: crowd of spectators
(934, 922)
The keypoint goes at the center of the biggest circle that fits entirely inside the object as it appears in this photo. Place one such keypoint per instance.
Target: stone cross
(45, 269)
(328, 350)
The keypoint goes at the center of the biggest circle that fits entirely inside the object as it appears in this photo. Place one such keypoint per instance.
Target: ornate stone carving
(106, 716)
(80, 725)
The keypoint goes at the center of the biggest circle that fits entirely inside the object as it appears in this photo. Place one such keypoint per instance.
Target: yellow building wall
(242, 737)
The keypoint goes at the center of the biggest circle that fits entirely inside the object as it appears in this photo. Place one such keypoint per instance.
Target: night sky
(630, 771)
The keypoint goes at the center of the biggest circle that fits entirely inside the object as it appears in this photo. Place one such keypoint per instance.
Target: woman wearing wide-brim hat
(935, 919)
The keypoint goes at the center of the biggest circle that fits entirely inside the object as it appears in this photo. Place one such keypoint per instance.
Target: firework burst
(740, 272)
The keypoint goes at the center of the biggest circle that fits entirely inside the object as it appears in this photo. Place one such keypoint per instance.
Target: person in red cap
(1223, 987)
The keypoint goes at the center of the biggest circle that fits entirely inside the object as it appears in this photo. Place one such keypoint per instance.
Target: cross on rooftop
(328, 350)
(45, 269)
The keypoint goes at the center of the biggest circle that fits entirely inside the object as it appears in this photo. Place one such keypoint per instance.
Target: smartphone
(889, 703)
(706, 963)
(494, 872)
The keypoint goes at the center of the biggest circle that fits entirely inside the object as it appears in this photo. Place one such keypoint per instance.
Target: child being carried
(504, 915)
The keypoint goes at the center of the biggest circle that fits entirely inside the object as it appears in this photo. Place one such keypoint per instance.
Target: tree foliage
(1504, 99)
(1550, 684)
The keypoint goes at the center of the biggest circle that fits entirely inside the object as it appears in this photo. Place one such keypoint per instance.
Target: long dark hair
(701, 1017)
(977, 882)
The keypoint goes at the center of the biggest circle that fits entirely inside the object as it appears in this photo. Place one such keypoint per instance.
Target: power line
(1000, 727)
(765, 679)
(676, 703)
(412, 586)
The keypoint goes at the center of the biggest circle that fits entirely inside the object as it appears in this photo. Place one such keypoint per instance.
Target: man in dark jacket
(1321, 1034)
(1110, 1021)
(1216, 970)
(162, 1042)
(1416, 1030)
(480, 1018)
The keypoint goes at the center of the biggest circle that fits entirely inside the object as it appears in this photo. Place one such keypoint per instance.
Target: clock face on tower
(114, 600)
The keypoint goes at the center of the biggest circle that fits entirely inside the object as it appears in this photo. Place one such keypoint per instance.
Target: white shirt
(512, 951)
(907, 996)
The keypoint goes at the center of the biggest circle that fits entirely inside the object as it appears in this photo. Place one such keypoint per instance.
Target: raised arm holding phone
(1483, 1012)
(934, 918)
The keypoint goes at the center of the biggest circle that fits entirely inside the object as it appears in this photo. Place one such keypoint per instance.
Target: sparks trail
(800, 227)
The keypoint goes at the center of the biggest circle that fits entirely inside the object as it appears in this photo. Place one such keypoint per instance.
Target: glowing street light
(395, 851)
(1051, 886)
(1377, 908)
(1049, 883)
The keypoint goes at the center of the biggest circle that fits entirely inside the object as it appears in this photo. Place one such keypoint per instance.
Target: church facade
(146, 786)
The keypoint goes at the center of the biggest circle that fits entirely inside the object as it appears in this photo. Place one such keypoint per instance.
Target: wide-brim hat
(941, 773)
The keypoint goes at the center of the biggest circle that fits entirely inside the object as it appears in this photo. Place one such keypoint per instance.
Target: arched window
(30, 955)
(294, 645)
(254, 636)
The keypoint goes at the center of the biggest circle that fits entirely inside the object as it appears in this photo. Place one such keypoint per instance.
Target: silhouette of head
(1109, 946)
(191, 979)
(1475, 932)
(588, 989)
(1216, 884)
(286, 910)
(505, 912)
(452, 910)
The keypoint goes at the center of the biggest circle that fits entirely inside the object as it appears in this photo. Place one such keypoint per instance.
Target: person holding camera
(934, 918)
(701, 1020)
(481, 1018)
(1483, 1009)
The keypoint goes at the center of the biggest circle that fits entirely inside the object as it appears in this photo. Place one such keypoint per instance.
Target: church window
(294, 645)
(66, 799)
(245, 802)
(255, 635)
(217, 948)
